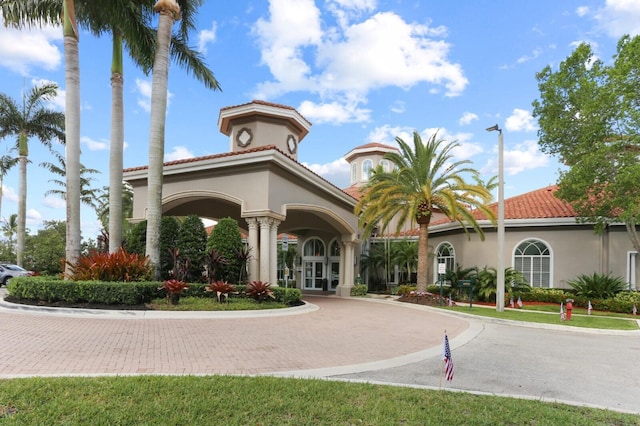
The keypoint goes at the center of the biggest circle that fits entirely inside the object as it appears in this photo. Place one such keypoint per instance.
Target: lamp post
(500, 267)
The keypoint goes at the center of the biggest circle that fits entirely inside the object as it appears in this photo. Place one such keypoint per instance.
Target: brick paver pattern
(342, 332)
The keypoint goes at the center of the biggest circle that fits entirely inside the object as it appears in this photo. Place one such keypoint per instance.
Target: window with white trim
(447, 255)
(367, 165)
(354, 171)
(532, 258)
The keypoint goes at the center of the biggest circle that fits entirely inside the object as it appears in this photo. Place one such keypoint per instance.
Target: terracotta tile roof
(265, 103)
(231, 154)
(354, 190)
(539, 204)
(208, 157)
(375, 145)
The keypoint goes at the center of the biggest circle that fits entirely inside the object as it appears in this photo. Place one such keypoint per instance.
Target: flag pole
(442, 367)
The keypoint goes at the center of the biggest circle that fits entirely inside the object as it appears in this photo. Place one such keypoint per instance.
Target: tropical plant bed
(427, 299)
(185, 304)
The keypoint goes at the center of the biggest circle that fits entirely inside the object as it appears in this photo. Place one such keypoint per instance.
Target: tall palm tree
(19, 13)
(169, 12)
(9, 229)
(32, 119)
(6, 163)
(424, 179)
(88, 195)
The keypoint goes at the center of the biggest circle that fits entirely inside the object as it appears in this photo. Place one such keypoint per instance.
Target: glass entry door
(313, 274)
(334, 277)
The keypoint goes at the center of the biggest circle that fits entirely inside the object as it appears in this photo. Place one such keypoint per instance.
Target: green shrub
(551, 295)
(599, 286)
(192, 243)
(227, 240)
(359, 290)
(403, 290)
(485, 285)
(109, 293)
(288, 296)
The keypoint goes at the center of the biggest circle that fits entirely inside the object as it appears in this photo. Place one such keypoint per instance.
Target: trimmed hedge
(55, 290)
(359, 290)
(116, 293)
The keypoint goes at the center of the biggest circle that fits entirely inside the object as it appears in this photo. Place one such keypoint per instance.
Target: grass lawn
(226, 400)
(548, 316)
(211, 304)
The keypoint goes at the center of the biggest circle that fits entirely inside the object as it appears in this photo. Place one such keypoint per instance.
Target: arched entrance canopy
(267, 192)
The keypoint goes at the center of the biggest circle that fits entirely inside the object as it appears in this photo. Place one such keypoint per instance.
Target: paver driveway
(342, 332)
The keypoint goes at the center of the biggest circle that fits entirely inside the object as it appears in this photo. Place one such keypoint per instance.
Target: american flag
(511, 302)
(448, 361)
(589, 308)
(519, 302)
(635, 310)
(562, 316)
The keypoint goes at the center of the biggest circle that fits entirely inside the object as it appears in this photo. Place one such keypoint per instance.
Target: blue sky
(360, 70)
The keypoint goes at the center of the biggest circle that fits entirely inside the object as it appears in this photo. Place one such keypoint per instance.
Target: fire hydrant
(569, 308)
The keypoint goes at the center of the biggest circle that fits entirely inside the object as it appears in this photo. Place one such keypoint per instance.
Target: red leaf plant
(259, 291)
(222, 289)
(174, 289)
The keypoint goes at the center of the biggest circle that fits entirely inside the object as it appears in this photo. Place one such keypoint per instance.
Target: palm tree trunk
(72, 133)
(169, 11)
(117, 143)
(22, 203)
(423, 257)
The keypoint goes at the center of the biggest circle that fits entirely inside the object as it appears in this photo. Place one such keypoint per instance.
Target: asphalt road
(586, 368)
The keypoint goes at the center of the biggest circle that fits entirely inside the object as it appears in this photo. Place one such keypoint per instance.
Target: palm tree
(423, 180)
(405, 254)
(88, 195)
(6, 163)
(9, 229)
(169, 12)
(31, 119)
(126, 21)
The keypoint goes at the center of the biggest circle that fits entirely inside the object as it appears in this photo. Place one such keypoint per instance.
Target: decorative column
(273, 267)
(344, 289)
(265, 244)
(254, 251)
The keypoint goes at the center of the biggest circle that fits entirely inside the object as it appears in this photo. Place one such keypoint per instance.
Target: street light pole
(500, 267)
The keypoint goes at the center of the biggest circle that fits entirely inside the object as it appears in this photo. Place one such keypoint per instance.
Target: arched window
(533, 259)
(447, 255)
(386, 165)
(314, 247)
(354, 171)
(367, 165)
(334, 250)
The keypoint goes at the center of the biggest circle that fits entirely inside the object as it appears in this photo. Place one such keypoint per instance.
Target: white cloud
(345, 63)
(206, 37)
(9, 194)
(333, 112)
(467, 118)
(178, 153)
(525, 156)
(54, 202)
(93, 145)
(619, 17)
(59, 101)
(398, 107)
(582, 11)
(143, 87)
(33, 217)
(526, 58)
(520, 120)
(22, 50)
(336, 172)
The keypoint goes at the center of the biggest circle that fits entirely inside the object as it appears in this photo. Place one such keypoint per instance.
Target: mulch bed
(427, 299)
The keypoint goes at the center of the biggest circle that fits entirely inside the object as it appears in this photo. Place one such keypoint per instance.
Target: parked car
(8, 271)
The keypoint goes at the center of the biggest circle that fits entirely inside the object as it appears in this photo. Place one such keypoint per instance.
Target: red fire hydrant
(569, 308)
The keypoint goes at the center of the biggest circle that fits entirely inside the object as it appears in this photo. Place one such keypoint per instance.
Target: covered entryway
(261, 185)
